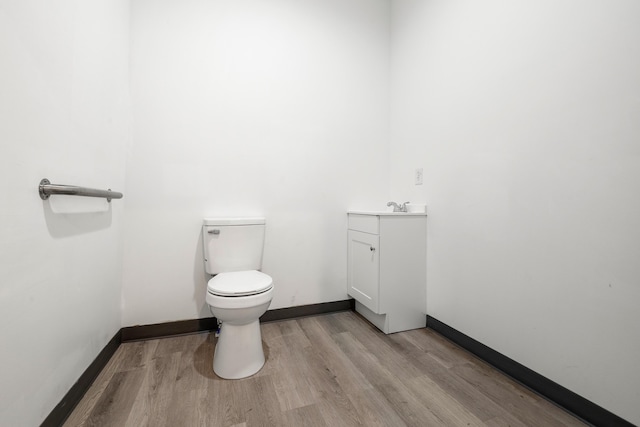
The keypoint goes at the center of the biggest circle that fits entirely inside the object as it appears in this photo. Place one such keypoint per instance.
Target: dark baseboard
(159, 330)
(307, 310)
(167, 329)
(547, 388)
(62, 411)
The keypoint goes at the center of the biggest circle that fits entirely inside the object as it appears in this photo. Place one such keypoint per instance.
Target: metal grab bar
(46, 189)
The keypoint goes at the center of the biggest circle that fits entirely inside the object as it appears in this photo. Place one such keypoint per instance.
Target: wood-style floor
(329, 370)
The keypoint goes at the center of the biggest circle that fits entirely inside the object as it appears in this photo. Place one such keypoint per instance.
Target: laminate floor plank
(189, 408)
(196, 363)
(93, 395)
(175, 344)
(382, 348)
(350, 379)
(151, 405)
(331, 324)
(224, 403)
(497, 422)
(325, 370)
(408, 406)
(374, 410)
(331, 400)
(441, 404)
(482, 406)
(560, 417)
(292, 384)
(115, 404)
(260, 403)
(136, 354)
(515, 399)
(272, 334)
(436, 346)
(308, 416)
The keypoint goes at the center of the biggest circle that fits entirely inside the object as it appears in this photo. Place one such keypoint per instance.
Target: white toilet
(238, 294)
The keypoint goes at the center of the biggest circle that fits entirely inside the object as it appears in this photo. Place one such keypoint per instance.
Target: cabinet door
(363, 270)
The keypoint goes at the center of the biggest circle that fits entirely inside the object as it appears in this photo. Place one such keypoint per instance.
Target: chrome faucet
(398, 208)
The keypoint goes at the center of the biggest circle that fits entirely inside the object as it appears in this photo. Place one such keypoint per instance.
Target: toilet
(238, 294)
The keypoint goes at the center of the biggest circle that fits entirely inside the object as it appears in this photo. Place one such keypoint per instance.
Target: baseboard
(62, 411)
(167, 329)
(307, 310)
(547, 388)
(160, 330)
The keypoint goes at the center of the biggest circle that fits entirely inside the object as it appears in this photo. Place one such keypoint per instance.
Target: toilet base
(238, 352)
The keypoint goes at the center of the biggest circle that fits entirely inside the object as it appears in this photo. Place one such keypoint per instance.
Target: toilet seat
(239, 283)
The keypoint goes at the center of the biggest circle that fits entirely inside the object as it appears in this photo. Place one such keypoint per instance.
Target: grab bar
(46, 189)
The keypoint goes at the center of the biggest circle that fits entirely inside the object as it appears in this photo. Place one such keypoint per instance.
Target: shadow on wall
(200, 280)
(66, 218)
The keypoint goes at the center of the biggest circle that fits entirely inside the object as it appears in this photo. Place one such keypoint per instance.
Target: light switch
(418, 176)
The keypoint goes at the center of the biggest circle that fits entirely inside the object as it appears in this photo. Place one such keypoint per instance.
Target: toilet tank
(233, 244)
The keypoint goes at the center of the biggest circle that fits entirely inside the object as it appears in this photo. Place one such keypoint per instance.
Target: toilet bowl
(238, 353)
(238, 299)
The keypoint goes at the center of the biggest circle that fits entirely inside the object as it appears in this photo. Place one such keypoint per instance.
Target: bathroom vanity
(387, 257)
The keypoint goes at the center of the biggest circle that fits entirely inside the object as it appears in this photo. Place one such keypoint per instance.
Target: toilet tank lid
(234, 221)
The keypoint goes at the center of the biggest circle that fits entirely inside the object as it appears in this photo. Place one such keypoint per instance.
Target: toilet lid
(239, 283)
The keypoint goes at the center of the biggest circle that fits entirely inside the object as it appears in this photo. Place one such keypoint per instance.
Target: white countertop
(389, 213)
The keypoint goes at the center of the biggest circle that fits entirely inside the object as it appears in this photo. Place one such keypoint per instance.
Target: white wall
(248, 107)
(64, 115)
(525, 119)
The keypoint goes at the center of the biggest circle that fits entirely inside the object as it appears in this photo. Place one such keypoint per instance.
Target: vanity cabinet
(387, 255)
